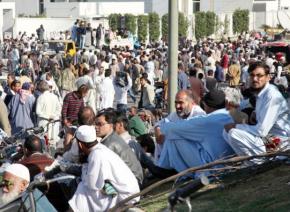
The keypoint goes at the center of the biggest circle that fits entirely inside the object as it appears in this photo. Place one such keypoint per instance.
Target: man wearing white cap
(103, 166)
(15, 180)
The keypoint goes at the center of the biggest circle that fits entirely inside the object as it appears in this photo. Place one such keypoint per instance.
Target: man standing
(122, 84)
(40, 33)
(20, 109)
(66, 82)
(48, 108)
(147, 94)
(182, 77)
(272, 116)
(72, 104)
(107, 91)
(101, 169)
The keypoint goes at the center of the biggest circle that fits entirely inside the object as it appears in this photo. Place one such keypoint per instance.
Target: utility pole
(173, 49)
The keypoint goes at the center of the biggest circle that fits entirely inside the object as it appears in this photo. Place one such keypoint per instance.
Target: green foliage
(210, 23)
(154, 26)
(114, 21)
(226, 25)
(240, 21)
(182, 24)
(200, 25)
(164, 26)
(130, 23)
(142, 27)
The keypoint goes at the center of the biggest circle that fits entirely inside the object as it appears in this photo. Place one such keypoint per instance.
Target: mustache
(7, 197)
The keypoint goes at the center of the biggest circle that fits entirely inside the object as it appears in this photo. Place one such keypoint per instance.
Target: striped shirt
(72, 104)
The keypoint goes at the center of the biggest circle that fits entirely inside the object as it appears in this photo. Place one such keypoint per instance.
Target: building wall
(72, 9)
(7, 16)
(221, 6)
(106, 8)
(25, 7)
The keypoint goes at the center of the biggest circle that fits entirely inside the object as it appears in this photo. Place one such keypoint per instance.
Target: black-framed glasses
(257, 75)
(100, 124)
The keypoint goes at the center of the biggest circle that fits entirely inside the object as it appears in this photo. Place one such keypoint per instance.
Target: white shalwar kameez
(107, 93)
(103, 164)
(272, 115)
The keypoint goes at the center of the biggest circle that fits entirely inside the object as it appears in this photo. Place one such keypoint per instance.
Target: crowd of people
(231, 100)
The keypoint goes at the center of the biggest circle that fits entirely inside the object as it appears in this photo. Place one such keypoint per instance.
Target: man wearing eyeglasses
(272, 116)
(105, 129)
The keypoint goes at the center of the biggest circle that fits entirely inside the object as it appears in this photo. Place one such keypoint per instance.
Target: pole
(173, 49)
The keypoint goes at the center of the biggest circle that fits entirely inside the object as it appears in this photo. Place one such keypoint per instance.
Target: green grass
(243, 191)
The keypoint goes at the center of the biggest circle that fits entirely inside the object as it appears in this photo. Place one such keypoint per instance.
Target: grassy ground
(242, 191)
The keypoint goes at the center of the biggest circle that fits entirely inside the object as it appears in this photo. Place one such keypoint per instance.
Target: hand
(230, 126)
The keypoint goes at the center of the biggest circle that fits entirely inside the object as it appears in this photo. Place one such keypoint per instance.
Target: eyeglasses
(257, 75)
(100, 124)
(6, 183)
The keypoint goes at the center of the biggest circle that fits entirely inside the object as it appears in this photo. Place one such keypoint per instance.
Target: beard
(184, 113)
(7, 197)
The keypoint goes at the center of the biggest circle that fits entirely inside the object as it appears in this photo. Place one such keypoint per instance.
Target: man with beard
(185, 106)
(271, 114)
(14, 183)
(15, 180)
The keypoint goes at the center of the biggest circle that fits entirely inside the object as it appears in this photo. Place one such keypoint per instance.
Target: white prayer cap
(19, 170)
(80, 82)
(114, 57)
(86, 134)
(50, 83)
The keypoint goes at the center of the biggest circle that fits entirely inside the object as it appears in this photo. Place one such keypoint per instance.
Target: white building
(7, 16)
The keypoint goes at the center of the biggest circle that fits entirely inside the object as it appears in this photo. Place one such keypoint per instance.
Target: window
(41, 7)
(196, 5)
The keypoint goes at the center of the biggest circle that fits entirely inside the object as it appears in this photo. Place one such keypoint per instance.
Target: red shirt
(72, 104)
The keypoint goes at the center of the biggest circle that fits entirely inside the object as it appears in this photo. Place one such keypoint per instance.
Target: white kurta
(49, 107)
(272, 114)
(103, 164)
(107, 93)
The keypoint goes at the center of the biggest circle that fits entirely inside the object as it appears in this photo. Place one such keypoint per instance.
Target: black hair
(147, 141)
(33, 144)
(259, 64)
(108, 72)
(121, 118)
(110, 116)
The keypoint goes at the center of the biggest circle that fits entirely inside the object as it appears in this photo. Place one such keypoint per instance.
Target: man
(186, 108)
(101, 169)
(40, 33)
(136, 125)
(48, 108)
(272, 116)
(4, 121)
(20, 109)
(72, 104)
(107, 91)
(210, 81)
(14, 88)
(199, 140)
(34, 159)
(105, 130)
(234, 74)
(15, 180)
(147, 94)
(66, 82)
(182, 77)
(122, 84)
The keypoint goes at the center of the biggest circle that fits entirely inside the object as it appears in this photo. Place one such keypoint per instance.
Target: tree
(182, 24)
(164, 21)
(240, 21)
(114, 21)
(200, 25)
(210, 23)
(142, 27)
(130, 23)
(154, 26)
